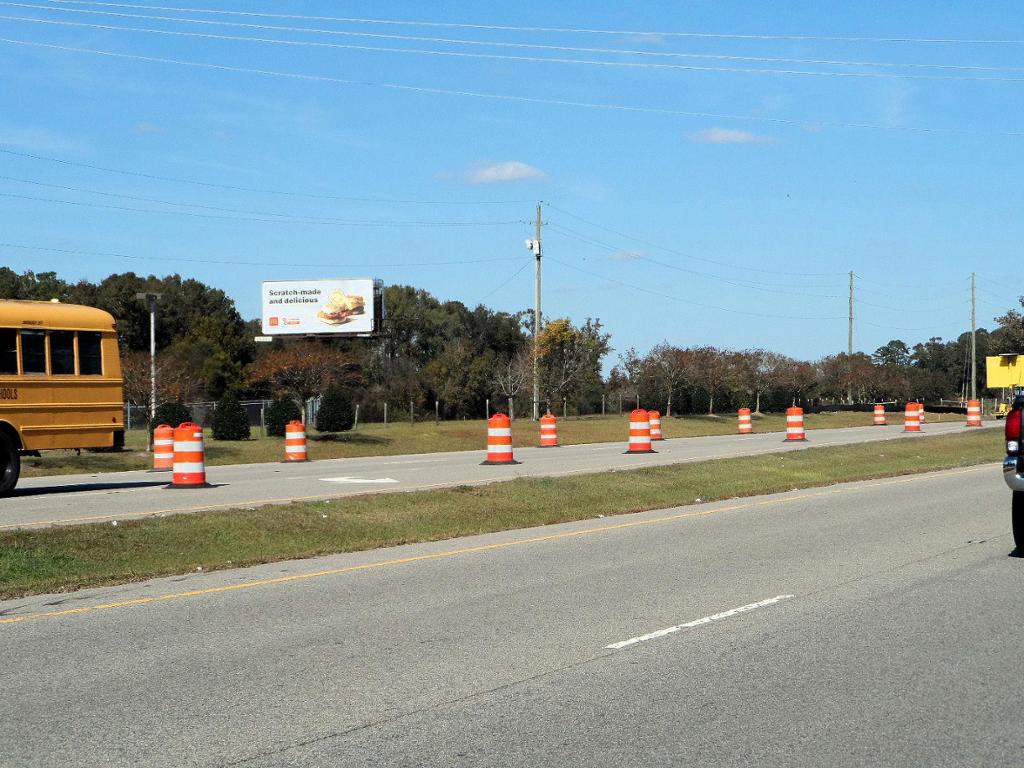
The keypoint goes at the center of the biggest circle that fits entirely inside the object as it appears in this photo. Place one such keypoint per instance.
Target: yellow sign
(1004, 371)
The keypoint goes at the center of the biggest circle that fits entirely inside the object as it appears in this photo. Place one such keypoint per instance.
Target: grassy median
(59, 559)
(428, 437)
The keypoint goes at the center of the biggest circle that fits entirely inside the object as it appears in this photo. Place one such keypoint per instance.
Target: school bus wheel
(10, 465)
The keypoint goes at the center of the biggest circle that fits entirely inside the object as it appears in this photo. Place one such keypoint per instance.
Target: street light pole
(151, 300)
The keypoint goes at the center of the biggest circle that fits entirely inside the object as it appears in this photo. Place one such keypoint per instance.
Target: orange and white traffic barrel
(746, 425)
(163, 448)
(295, 441)
(189, 457)
(879, 415)
(912, 418)
(973, 413)
(920, 414)
(795, 425)
(639, 432)
(499, 440)
(654, 419)
(548, 431)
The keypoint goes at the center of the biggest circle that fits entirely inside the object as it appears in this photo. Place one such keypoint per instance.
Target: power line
(193, 214)
(991, 293)
(504, 283)
(258, 190)
(888, 327)
(933, 310)
(688, 302)
(516, 45)
(332, 264)
(686, 255)
(531, 59)
(512, 98)
(284, 217)
(748, 285)
(640, 257)
(563, 30)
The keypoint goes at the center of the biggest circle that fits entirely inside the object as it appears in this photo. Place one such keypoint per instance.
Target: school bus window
(33, 352)
(62, 353)
(90, 359)
(8, 351)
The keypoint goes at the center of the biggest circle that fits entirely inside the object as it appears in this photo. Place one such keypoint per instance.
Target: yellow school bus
(60, 382)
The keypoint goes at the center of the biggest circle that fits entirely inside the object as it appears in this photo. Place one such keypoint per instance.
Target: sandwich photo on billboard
(340, 308)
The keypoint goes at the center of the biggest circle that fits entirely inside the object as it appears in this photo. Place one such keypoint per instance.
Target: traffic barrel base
(163, 448)
(639, 433)
(499, 441)
(795, 426)
(548, 431)
(189, 458)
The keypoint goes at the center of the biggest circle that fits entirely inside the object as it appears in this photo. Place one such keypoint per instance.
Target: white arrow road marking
(699, 622)
(358, 480)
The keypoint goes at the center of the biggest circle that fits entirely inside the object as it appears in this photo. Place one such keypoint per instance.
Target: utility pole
(535, 247)
(849, 336)
(974, 342)
(151, 299)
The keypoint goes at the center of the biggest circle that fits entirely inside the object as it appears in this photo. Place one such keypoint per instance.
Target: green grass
(428, 437)
(59, 559)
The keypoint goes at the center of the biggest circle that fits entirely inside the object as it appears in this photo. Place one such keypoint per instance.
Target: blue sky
(727, 209)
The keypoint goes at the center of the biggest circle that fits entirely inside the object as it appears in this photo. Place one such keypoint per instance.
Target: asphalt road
(891, 636)
(71, 499)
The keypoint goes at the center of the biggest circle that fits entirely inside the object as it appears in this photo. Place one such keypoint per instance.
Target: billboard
(344, 306)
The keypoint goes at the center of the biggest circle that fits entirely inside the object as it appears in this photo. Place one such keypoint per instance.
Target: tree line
(706, 379)
(444, 354)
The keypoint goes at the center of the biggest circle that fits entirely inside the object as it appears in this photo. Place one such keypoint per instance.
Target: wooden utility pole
(536, 248)
(974, 341)
(849, 335)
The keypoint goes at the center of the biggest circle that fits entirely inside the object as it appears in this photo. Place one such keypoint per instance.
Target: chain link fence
(137, 416)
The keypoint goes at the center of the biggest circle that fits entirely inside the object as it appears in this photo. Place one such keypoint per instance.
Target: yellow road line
(834, 490)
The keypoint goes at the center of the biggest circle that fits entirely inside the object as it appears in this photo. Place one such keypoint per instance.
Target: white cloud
(498, 173)
(728, 136)
(647, 38)
(147, 129)
(37, 139)
(626, 255)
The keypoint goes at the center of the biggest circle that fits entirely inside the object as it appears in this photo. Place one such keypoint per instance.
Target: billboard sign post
(339, 307)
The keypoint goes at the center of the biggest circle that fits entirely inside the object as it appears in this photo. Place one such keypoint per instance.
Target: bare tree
(511, 373)
(763, 371)
(707, 369)
(668, 368)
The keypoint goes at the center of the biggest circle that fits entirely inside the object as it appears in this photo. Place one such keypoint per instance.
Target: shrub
(279, 413)
(172, 414)
(336, 413)
(230, 420)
